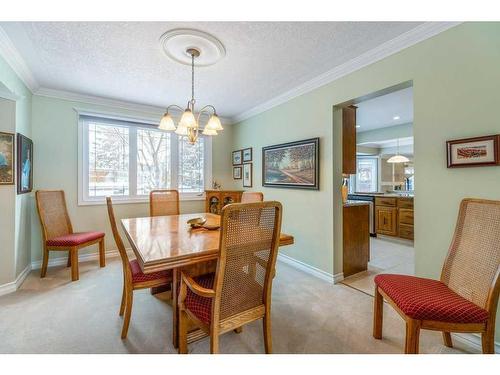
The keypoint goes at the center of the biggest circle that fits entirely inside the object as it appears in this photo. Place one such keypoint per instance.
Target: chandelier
(189, 124)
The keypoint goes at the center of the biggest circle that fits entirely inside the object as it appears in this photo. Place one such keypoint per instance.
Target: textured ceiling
(123, 60)
(392, 109)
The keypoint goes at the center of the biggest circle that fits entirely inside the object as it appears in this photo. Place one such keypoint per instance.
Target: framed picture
(247, 175)
(6, 158)
(24, 164)
(237, 173)
(473, 152)
(292, 165)
(237, 157)
(247, 155)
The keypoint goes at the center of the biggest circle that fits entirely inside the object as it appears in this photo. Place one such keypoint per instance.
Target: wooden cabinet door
(349, 140)
(386, 221)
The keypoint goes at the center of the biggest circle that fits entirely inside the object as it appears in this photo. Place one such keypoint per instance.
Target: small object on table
(196, 222)
(210, 227)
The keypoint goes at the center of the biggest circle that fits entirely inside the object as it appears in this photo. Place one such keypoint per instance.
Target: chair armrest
(195, 287)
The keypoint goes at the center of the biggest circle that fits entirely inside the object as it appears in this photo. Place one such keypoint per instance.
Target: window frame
(83, 160)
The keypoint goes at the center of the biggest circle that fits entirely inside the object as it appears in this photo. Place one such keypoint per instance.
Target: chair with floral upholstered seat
(58, 234)
(239, 292)
(466, 297)
(133, 277)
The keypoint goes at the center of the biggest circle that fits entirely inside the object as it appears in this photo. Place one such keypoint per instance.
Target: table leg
(175, 309)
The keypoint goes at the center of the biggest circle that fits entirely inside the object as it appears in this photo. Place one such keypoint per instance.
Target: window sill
(145, 200)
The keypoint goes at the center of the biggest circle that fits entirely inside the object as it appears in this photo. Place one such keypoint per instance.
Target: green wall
(15, 209)
(392, 132)
(456, 81)
(55, 133)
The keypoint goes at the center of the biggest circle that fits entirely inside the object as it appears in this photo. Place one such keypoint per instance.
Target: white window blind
(127, 159)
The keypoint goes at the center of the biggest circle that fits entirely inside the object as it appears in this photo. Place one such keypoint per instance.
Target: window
(366, 177)
(127, 159)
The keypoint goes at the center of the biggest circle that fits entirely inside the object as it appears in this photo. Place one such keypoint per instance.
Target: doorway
(383, 178)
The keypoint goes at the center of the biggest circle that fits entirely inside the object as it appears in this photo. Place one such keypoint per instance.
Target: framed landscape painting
(292, 165)
(24, 164)
(6, 158)
(473, 152)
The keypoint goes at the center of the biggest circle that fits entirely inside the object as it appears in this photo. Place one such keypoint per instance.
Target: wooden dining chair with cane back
(466, 297)
(163, 202)
(57, 231)
(133, 277)
(239, 292)
(252, 196)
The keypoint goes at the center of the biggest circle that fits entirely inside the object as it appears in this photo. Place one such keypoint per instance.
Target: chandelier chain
(192, 80)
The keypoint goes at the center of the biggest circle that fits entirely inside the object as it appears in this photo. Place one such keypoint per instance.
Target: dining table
(169, 243)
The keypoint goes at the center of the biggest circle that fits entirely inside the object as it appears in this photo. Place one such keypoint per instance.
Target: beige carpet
(55, 315)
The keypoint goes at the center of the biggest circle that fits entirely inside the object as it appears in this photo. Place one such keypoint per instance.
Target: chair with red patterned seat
(466, 297)
(133, 277)
(58, 234)
(239, 292)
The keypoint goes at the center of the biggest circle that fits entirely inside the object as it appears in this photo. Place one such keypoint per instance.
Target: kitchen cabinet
(349, 140)
(386, 220)
(394, 216)
(356, 238)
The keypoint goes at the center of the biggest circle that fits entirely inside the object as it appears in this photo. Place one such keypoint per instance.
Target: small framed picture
(24, 164)
(247, 175)
(247, 155)
(237, 173)
(6, 158)
(237, 157)
(473, 152)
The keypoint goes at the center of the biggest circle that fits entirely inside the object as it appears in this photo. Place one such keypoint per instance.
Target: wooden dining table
(168, 243)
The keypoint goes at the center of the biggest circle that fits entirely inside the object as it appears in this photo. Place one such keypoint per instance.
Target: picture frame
(237, 173)
(237, 157)
(247, 175)
(473, 152)
(7, 158)
(24, 164)
(247, 155)
(291, 165)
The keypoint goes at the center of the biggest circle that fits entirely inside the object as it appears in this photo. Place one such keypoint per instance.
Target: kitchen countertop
(350, 203)
(391, 195)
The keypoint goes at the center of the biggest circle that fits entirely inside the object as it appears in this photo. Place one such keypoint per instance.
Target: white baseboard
(304, 267)
(473, 340)
(14, 285)
(59, 261)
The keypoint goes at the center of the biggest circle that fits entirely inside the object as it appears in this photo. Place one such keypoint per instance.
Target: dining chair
(252, 196)
(239, 291)
(57, 231)
(133, 277)
(466, 297)
(163, 202)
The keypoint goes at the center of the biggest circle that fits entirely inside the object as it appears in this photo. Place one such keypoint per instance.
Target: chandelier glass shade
(189, 124)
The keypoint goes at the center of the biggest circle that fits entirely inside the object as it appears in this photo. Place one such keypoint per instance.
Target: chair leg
(268, 340)
(214, 342)
(378, 314)
(412, 336)
(183, 322)
(238, 330)
(447, 339)
(45, 262)
(73, 254)
(102, 254)
(124, 292)
(488, 340)
(129, 297)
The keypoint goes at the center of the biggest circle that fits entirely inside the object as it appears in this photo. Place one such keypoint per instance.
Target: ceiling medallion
(176, 42)
(189, 124)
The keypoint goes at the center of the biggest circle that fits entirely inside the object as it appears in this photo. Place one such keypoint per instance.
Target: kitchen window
(127, 158)
(366, 178)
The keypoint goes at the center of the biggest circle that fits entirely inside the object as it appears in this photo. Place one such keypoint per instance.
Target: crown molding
(9, 52)
(114, 103)
(405, 40)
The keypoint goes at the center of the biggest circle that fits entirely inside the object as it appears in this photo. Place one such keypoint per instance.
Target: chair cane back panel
(474, 256)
